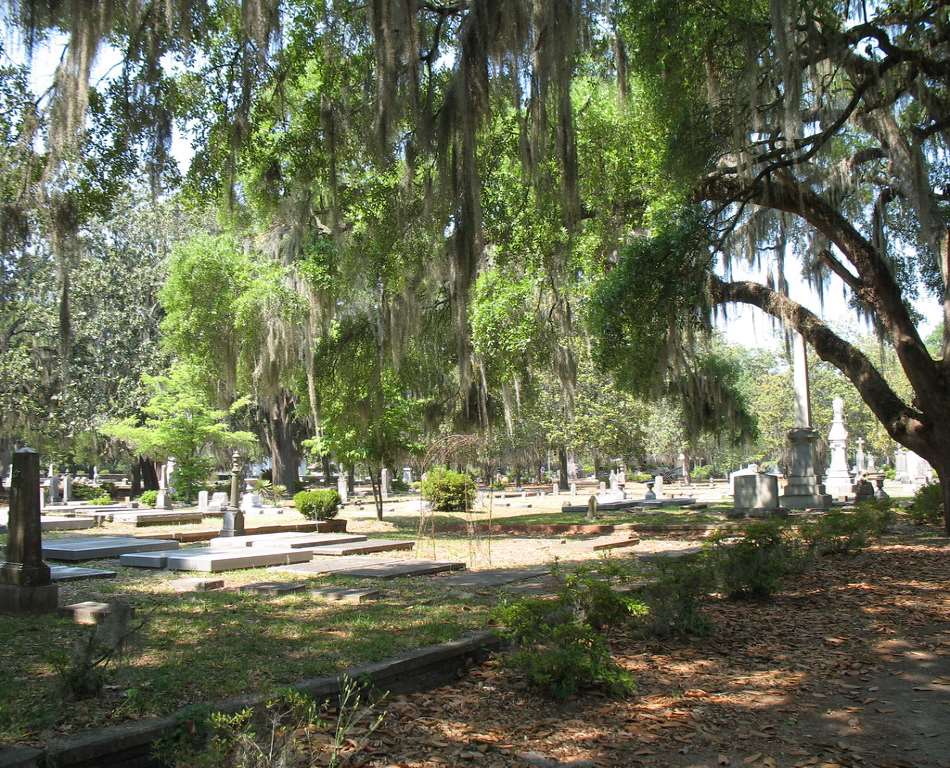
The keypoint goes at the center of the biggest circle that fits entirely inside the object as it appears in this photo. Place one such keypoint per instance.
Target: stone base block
(811, 501)
(88, 612)
(16, 599)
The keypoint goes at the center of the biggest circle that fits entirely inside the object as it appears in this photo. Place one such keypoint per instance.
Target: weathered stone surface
(395, 569)
(88, 612)
(275, 588)
(197, 585)
(158, 558)
(492, 578)
(363, 547)
(291, 539)
(351, 596)
(231, 560)
(139, 517)
(95, 547)
(76, 573)
(599, 546)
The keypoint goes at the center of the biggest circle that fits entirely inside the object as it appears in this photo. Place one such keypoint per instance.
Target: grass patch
(207, 646)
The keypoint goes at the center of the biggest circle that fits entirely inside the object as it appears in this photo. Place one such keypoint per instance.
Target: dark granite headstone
(25, 583)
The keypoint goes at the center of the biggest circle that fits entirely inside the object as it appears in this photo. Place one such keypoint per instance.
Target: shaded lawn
(211, 645)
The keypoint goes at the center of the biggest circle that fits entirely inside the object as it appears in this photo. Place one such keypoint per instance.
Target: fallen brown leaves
(847, 667)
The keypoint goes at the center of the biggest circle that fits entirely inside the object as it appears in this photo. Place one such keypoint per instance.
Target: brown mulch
(849, 666)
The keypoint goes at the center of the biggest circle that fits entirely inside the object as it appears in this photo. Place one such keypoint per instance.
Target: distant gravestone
(658, 486)
(68, 487)
(163, 499)
(54, 489)
(341, 487)
(202, 501)
(251, 502)
(602, 487)
(555, 489)
(859, 465)
(756, 495)
(407, 475)
(838, 478)
(863, 490)
(218, 502)
(592, 508)
(614, 483)
(573, 493)
(900, 466)
(385, 483)
(25, 582)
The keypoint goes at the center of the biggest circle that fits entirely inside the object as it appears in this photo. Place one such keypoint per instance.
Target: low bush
(558, 651)
(927, 506)
(448, 491)
(640, 477)
(399, 485)
(318, 505)
(754, 562)
(102, 500)
(840, 532)
(148, 498)
(673, 599)
(702, 473)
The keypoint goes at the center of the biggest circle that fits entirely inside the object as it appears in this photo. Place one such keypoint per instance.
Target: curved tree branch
(903, 423)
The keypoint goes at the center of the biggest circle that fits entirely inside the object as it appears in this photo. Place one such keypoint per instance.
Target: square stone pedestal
(804, 489)
(18, 599)
(757, 496)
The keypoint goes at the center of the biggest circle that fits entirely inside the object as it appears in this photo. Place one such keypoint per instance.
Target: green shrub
(754, 563)
(399, 485)
(595, 600)
(640, 477)
(702, 473)
(839, 532)
(148, 498)
(318, 505)
(673, 598)
(890, 473)
(927, 506)
(557, 651)
(102, 500)
(448, 491)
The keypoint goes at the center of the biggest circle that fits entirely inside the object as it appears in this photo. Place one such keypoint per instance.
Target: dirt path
(850, 666)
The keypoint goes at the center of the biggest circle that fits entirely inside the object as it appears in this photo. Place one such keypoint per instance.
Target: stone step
(196, 585)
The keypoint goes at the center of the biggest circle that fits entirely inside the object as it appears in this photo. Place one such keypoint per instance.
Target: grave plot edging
(130, 745)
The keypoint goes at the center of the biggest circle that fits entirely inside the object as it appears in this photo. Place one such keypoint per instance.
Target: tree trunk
(281, 433)
(563, 483)
(376, 482)
(147, 473)
(350, 479)
(327, 471)
(943, 472)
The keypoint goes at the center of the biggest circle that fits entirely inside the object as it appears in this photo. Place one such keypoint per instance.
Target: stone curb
(129, 745)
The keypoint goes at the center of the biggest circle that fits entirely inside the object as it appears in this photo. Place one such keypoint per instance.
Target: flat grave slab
(97, 547)
(196, 585)
(294, 540)
(275, 588)
(55, 523)
(495, 577)
(75, 573)
(350, 596)
(232, 560)
(363, 547)
(159, 558)
(385, 570)
(602, 545)
(158, 517)
(321, 565)
(670, 554)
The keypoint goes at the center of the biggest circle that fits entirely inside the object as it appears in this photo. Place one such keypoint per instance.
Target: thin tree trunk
(943, 472)
(563, 483)
(376, 482)
(148, 474)
(327, 470)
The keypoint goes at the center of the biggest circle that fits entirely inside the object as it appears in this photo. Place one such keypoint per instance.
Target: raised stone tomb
(235, 559)
(366, 547)
(98, 547)
(293, 540)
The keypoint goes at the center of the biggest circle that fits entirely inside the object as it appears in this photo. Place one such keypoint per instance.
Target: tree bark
(281, 434)
(563, 482)
(327, 470)
(148, 473)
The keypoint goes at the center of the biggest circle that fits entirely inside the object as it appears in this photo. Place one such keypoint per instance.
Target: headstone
(163, 499)
(68, 487)
(756, 495)
(900, 465)
(863, 490)
(8, 480)
(50, 470)
(219, 502)
(25, 583)
(95, 475)
(555, 489)
(385, 483)
(42, 498)
(658, 486)
(879, 492)
(251, 502)
(170, 478)
(613, 481)
(202, 501)
(602, 487)
(838, 480)
(859, 465)
(54, 497)
(573, 493)
(750, 469)
(871, 463)
(919, 470)
(622, 478)
(407, 475)
(341, 487)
